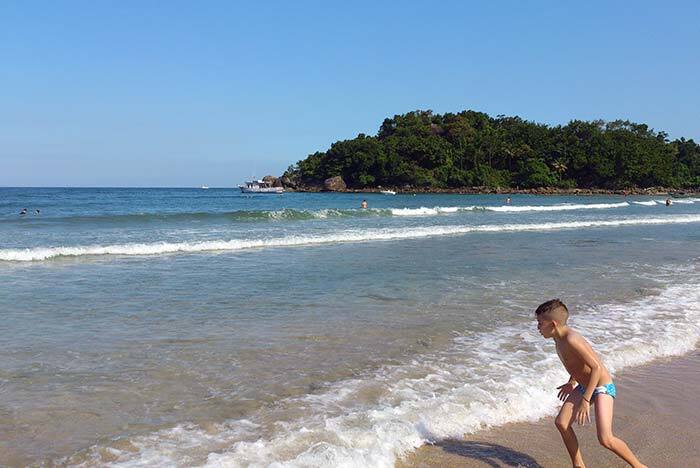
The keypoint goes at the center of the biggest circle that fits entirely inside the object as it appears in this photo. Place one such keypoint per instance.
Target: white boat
(204, 187)
(387, 192)
(259, 186)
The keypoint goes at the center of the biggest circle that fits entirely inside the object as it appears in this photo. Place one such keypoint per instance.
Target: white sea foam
(436, 396)
(645, 203)
(45, 253)
(426, 211)
(563, 207)
(683, 201)
(437, 210)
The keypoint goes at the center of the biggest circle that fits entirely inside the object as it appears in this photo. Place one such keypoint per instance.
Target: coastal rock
(334, 184)
(287, 182)
(273, 181)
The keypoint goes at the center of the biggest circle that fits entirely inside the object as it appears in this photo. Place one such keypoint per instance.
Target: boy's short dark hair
(553, 310)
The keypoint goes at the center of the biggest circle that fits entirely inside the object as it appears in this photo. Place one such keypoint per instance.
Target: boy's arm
(579, 345)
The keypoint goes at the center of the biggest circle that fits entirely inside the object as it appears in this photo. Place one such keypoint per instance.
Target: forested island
(426, 151)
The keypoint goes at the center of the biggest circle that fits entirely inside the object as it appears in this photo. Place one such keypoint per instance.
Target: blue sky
(132, 93)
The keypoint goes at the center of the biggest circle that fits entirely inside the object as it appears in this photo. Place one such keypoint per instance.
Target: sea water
(189, 327)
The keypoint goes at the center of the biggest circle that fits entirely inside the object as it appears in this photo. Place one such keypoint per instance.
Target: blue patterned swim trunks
(608, 389)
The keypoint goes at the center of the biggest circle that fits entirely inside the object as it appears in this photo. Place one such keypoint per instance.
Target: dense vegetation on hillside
(422, 149)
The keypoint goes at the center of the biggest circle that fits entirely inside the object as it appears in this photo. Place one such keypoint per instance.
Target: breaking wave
(563, 207)
(156, 248)
(240, 215)
(290, 214)
(376, 418)
(645, 203)
(425, 211)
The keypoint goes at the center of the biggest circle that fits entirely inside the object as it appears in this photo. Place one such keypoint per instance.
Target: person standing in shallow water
(589, 383)
(363, 205)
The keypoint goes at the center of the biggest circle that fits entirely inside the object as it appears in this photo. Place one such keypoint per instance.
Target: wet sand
(656, 413)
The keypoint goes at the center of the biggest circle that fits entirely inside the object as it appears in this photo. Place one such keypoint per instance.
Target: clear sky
(185, 93)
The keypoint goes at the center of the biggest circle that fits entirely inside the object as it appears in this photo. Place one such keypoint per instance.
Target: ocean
(190, 327)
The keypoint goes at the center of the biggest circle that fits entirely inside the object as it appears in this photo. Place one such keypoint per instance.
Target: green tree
(471, 148)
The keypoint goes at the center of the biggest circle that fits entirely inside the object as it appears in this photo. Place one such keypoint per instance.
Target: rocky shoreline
(336, 184)
(513, 191)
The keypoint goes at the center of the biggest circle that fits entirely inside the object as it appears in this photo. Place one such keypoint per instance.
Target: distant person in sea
(589, 383)
(37, 211)
(363, 205)
(669, 202)
(508, 200)
(23, 212)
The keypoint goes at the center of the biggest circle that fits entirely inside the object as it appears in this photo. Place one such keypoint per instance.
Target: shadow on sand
(493, 455)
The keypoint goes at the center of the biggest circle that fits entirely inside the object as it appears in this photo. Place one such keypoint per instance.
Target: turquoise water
(192, 327)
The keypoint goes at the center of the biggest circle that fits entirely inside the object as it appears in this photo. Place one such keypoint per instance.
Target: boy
(589, 383)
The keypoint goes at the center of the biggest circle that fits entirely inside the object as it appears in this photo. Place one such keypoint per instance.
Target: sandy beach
(656, 413)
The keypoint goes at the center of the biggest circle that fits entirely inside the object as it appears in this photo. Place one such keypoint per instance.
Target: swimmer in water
(363, 205)
(508, 200)
(23, 212)
(37, 211)
(669, 202)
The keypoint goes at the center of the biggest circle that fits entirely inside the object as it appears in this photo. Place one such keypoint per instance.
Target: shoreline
(655, 414)
(652, 191)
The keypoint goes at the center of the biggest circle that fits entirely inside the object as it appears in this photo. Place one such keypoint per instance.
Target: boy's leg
(564, 420)
(603, 421)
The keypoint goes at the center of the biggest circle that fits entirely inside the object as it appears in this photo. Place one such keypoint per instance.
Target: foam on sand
(158, 248)
(374, 419)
